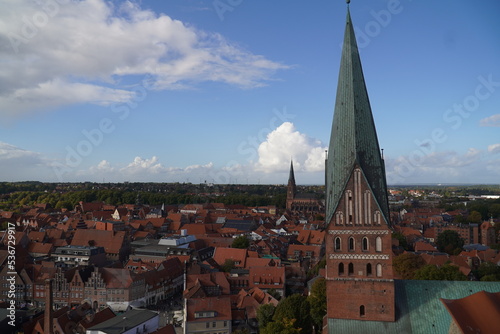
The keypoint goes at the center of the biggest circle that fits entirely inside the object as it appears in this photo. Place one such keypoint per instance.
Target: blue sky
(228, 91)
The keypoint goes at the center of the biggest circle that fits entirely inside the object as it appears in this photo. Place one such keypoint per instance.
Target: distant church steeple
(291, 188)
(359, 272)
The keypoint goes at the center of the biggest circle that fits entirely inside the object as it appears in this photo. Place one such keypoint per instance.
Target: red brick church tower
(359, 271)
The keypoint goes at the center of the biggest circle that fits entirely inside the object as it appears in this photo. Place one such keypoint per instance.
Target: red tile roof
(267, 277)
(221, 305)
(423, 246)
(477, 313)
(239, 256)
(111, 241)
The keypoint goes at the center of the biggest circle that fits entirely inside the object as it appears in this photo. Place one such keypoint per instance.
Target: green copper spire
(353, 139)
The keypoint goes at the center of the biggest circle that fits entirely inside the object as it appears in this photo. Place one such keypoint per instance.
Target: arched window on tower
(379, 270)
(351, 244)
(369, 269)
(378, 244)
(350, 269)
(337, 244)
(362, 311)
(341, 269)
(364, 244)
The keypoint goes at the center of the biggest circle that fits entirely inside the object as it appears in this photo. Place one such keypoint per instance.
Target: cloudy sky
(230, 91)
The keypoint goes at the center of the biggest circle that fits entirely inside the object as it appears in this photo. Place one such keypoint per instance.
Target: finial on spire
(348, 1)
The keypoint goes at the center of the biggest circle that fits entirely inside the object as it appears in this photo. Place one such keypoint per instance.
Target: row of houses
(117, 288)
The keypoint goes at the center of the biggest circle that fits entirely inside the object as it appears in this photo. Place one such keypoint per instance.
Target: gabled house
(208, 315)
(115, 244)
(239, 256)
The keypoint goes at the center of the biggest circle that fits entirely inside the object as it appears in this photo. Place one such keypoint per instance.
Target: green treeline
(13, 196)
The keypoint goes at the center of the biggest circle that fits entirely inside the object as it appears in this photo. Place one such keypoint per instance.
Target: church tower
(359, 273)
(291, 188)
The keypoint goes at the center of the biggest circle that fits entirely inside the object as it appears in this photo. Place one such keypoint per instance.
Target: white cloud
(141, 166)
(495, 148)
(10, 154)
(104, 166)
(17, 164)
(81, 52)
(491, 121)
(285, 143)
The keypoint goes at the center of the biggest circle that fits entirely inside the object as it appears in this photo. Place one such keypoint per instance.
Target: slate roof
(126, 321)
(419, 309)
(241, 225)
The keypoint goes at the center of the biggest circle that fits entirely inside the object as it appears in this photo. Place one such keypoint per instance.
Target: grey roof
(124, 322)
(242, 225)
(418, 308)
(353, 139)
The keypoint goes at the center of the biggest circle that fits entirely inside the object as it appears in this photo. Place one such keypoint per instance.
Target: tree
(405, 265)
(319, 217)
(317, 302)
(475, 217)
(265, 314)
(228, 265)
(320, 265)
(452, 273)
(402, 240)
(428, 272)
(295, 307)
(241, 242)
(282, 326)
(488, 271)
(241, 331)
(447, 272)
(274, 293)
(449, 242)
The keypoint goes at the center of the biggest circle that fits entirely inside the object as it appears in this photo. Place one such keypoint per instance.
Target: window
(351, 243)
(349, 211)
(378, 244)
(339, 218)
(365, 244)
(350, 269)
(369, 269)
(341, 268)
(379, 270)
(337, 244)
(362, 311)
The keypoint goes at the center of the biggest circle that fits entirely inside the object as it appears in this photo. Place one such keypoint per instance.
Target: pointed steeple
(353, 140)
(359, 240)
(291, 189)
(291, 176)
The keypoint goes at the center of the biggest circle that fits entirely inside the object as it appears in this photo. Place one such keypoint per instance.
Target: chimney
(48, 320)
